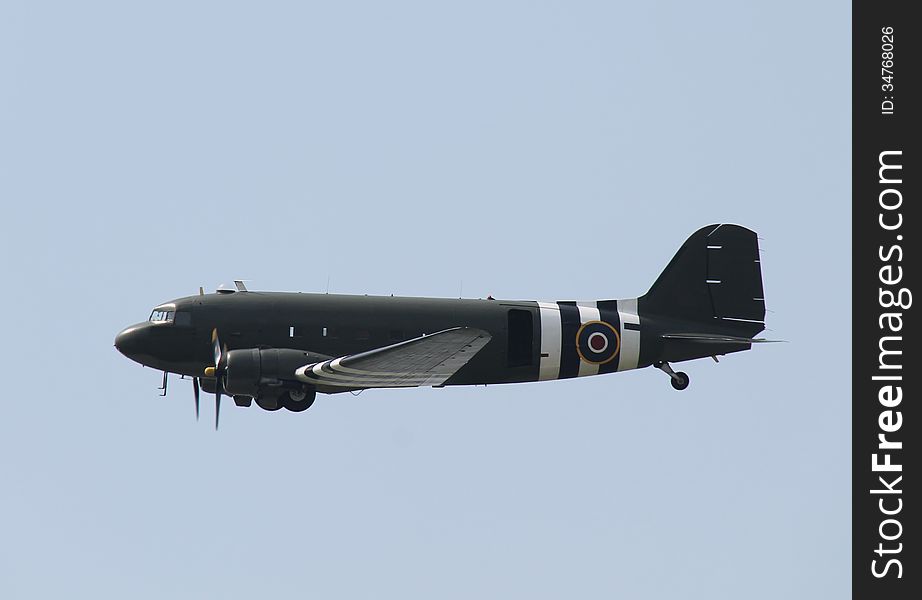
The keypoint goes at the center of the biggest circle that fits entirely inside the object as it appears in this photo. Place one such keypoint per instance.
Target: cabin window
(520, 338)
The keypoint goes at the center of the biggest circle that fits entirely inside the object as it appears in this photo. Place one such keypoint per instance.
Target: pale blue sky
(532, 150)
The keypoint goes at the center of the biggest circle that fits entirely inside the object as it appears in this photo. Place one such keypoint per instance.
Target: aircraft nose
(128, 341)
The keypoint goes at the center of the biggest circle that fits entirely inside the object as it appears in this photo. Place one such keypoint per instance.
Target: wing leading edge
(424, 361)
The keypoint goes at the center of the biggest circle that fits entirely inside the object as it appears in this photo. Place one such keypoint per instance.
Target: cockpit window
(161, 316)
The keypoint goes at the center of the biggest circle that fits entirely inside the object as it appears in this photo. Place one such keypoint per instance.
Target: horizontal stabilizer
(717, 338)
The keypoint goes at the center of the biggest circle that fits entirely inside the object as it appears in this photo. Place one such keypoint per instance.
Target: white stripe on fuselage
(588, 311)
(630, 338)
(549, 366)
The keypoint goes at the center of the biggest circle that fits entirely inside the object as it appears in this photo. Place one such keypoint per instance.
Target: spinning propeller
(217, 371)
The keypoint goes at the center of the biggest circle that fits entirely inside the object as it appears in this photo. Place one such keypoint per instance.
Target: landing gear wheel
(680, 381)
(296, 400)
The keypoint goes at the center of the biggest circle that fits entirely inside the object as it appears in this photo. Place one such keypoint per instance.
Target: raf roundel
(597, 342)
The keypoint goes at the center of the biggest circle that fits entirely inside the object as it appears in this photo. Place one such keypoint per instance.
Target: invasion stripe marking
(608, 311)
(630, 337)
(549, 366)
(325, 372)
(588, 311)
(569, 325)
(373, 383)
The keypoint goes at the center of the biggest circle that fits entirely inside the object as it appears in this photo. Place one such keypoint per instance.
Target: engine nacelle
(258, 371)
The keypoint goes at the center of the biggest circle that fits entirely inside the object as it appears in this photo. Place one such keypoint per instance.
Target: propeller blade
(217, 408)
(195, 392)
(218, 372)
(216, 346)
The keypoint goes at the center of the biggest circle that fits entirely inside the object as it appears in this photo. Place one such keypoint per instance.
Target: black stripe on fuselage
(569, 325)
(608, 312)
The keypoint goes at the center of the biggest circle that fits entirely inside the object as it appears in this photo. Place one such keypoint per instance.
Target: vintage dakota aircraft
(281, 349)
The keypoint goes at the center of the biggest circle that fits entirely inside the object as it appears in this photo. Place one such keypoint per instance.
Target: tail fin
(715, 280)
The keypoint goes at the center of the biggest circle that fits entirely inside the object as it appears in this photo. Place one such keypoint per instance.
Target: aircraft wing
(423, 361)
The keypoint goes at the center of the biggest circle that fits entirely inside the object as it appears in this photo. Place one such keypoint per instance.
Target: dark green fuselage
(330, 325)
